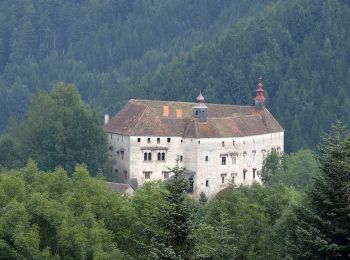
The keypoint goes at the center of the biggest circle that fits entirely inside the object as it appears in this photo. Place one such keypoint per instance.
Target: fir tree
(320, 225)
(175, 221)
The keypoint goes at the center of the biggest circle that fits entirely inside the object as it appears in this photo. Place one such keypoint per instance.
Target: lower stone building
(219, 144)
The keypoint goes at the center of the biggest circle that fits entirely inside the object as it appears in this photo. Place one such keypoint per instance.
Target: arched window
(145, 156)
(149, 156)
(163, 156)
(159, 156)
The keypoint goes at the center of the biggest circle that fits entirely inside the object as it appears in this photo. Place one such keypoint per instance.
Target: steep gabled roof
(146, 118)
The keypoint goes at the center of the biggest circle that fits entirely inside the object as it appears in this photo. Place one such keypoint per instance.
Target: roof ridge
(138, 120)
(185, 102)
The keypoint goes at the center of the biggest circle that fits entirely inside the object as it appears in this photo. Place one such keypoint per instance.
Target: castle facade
(218, 144)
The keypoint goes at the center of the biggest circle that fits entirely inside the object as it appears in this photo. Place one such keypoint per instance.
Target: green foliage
(100, 46)
(295, 170)
(174, 221)
(58, 130)
(271, 165)
(319, 226)
(47, 214)
(239, 223)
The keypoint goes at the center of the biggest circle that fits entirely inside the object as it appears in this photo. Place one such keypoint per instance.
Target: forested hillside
(300, 48)
(116, 50)
(100, 46)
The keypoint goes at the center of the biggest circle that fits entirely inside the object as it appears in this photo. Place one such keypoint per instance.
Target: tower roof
(200, 98)
(260, 91)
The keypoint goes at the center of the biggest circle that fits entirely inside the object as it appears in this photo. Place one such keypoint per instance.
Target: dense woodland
(116, 50)
(50, 215)
(64, 63)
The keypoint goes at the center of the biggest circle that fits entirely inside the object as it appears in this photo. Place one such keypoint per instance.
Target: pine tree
(320, 225)
(175, 221)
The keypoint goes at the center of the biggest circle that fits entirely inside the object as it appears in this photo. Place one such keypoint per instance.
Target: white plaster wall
(213, 169)
(194, 152)
(138, 166)
(120, 163)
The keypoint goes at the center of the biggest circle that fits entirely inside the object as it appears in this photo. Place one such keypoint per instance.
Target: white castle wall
(194, 152)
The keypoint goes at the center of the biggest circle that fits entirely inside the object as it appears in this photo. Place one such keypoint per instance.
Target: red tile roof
(145, 118)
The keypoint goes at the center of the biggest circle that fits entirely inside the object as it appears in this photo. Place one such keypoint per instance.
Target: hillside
(300, 48)
(100, 46)
(116, 50)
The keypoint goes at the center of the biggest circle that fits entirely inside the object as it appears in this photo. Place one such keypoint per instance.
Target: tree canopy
(57, 130)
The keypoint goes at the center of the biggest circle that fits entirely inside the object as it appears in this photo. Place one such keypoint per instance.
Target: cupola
(200, 109)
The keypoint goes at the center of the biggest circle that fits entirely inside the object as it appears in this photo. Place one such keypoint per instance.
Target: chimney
(106, 118)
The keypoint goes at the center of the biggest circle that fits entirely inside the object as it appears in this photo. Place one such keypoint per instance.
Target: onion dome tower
(259, 99)
(200, 109)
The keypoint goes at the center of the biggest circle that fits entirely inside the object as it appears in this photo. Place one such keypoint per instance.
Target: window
(273, 150)
(145, 156)
(122, 154)
(196, 112)
(199, 142)
(163, 156)
(181, 158)
(223, 144)
(125, 175)
(223, 176)
(158, 140)
(233, 177)
(139, 140)
(168, 139)
(149, 156)
(148, 140)
(207, 183)
(234, 159)
(206, 158)
(166, 175)
(233, 142)
(116, 172)
(244, 173)
(223, 160)
(182, 141)
(111, 148)
(147, 175)
(254, 170)
(111, 136)
(253, 153)
(159, 157)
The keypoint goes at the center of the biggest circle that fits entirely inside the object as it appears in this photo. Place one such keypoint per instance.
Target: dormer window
(168, 139)
(223, 144)
(158, 140)
(148, 140)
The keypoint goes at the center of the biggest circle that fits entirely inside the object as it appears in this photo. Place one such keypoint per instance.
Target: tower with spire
(200, 109)
(259, 98)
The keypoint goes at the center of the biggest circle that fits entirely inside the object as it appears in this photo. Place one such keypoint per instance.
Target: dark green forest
(117, 50)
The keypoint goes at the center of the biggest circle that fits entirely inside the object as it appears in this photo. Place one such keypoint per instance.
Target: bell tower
(259, 98)
(200, 109)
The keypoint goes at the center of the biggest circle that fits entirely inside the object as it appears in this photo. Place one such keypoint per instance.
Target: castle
(218, 144)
